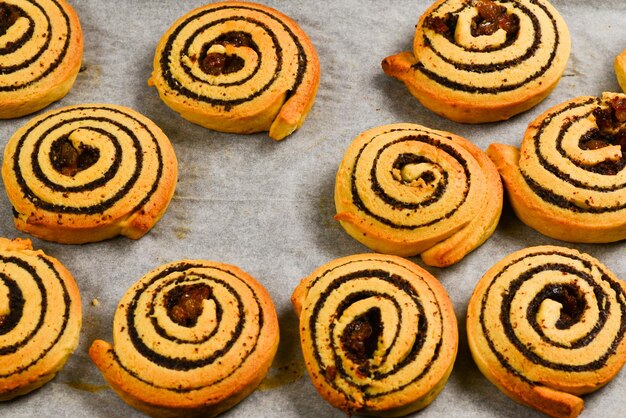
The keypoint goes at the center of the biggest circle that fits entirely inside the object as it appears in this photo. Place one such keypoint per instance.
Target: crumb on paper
(95, 302)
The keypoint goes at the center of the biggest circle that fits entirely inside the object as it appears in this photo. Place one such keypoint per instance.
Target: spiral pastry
(41, 47)
(404, 189)
(546, 325)
(191, 338)
(378, 333)
(482, 61)
(568, 181)
(237, 67)
(620, 69)
(40, 317)
(87, 173)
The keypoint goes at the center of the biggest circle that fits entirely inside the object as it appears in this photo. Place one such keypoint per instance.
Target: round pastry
(483, 61)
(40, 317)
(404, 189)
(620, 69)
(237, 67)
(378, 333)
(546, 325)
(568, 181)
(87, 173)
(191, 338)
(41, 47)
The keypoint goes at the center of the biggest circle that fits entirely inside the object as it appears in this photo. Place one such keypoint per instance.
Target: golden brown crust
(620, 69)
(474, 78)
(546, 325)
(108, 189)
(40, 317)
(168, 368)
(560, 187)
(404, 189)
(363, 322)
(259, 88)
(42, 59)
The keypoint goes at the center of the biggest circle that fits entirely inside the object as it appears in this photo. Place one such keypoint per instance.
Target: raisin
(184, 303)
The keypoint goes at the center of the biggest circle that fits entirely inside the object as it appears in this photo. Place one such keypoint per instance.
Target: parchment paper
(268, 208)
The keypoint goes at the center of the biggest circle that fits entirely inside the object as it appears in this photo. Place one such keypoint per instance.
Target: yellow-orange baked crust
(546, 325)
(405, 189)
(620, 69)
(190, 339)
(89, 172)
(237, 67)
(378, 334)
(568, 180)
(41, 48)
(40, 317)
(482, 61)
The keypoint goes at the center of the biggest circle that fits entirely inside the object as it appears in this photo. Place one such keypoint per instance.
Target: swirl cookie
(40, 317)
(546, 325)
(620, 69)
(41, 47)
(237, 67)
(568, 180)
(483, 61)
(404, 189)
(378, 333)
(87, 173)
(191, 338)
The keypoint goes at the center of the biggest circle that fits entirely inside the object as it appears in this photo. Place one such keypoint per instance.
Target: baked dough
(41, 48)
(546, 325)
(568, 180)
(620, 69)
(191, 339)
(378, 333)
(363, 322)
(405, 189)
(40, 317)
(237, 67)
(87, 173)
(482, 61)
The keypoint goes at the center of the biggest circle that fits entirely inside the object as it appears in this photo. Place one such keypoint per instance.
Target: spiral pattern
(87, 173)
(404, 189)
(41, 48)
(378, 333)
(238, 67)
(203, 360)
(482, 60)
(568, 181)
(546, 324)
(40, 317)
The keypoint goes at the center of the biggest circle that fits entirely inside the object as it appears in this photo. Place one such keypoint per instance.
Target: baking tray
(267, 206)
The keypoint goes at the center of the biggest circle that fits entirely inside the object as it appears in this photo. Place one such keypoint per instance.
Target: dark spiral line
(179, 363)
(38, 328)
(176, 85)
(51, 66)
(603, 300)
(422, 330)
(394, 203)
(106, 204)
